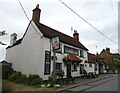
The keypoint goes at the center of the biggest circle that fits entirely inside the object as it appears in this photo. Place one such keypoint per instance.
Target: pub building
(32, 54)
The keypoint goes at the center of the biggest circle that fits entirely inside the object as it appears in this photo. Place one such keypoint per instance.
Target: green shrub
(52, 83)
(14, 76)
(37, 81)
(6, 90)
(32, 77)
(22, 79)
(50, 78)
(60, 73)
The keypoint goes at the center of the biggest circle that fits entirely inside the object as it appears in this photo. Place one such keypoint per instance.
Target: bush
(32, 77)
(6, 90)
(14, 76)
(60, 73)
(22, 79)
(51, 81)
(37, 81)
(50, 78)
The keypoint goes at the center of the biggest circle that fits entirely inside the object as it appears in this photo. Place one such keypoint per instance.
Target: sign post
(55, 46)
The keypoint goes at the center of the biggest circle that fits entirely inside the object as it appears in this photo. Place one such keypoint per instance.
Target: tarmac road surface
(109, 85)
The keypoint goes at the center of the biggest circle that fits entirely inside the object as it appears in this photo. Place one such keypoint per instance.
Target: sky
(102, 14)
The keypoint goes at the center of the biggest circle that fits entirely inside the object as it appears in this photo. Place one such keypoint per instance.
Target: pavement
(82, 81)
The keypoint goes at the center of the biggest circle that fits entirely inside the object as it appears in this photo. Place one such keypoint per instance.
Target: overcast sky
(54, 14)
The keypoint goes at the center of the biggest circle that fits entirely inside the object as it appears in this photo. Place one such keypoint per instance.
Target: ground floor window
(58, 66)
(47, 62)
(90, 65)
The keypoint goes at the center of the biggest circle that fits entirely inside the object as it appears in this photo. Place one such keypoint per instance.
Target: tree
(2, 33)
(116, 63)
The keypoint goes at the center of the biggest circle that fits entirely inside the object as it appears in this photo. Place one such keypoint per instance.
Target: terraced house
(32, 54)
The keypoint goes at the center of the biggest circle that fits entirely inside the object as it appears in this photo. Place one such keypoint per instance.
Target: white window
(90, 65)
(81, 53)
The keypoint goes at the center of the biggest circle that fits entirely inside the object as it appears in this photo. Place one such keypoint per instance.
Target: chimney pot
(13, 39)
(36, 14)
(37, 6)
(76, 35)
(75, 31)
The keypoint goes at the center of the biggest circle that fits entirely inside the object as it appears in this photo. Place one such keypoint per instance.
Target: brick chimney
(13, 39)
(76, 35)
(36, 14)
(108, 50)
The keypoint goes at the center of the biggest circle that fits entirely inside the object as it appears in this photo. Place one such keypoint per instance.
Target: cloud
(54, 14)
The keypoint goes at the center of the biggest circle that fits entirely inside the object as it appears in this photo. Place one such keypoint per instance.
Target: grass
(20, 87)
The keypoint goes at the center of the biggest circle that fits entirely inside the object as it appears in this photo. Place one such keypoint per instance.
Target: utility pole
(55, 46)
(54, 65)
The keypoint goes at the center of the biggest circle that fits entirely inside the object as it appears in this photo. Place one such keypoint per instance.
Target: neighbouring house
(108, 56)
(92, 64)
(105, 58)
(105, 53)
(32, 54)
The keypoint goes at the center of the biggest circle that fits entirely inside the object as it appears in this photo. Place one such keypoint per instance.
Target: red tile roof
(73, 58)
(49, 32)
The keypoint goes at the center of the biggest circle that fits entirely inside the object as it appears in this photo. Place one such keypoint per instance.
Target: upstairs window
(82, 53)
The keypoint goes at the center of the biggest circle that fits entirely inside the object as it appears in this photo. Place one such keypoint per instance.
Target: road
(108, 85)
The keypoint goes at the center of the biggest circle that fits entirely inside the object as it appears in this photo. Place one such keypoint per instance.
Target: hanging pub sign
(55, 43)
(47, 62)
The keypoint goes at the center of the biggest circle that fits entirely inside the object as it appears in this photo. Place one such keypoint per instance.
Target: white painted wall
(29, 56)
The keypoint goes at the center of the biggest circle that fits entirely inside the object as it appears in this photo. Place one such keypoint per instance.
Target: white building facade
(32, 54)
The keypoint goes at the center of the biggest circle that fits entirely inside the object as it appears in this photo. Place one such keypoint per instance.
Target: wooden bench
(89, 75)
(70, 78)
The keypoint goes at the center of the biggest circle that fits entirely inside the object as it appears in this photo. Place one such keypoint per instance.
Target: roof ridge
(56, 30)
(59, 32)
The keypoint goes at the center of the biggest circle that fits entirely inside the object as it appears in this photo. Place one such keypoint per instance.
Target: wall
(29, 56)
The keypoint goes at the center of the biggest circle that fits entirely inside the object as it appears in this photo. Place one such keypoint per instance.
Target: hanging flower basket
(52, 57)
(65, 60)
(86, 61)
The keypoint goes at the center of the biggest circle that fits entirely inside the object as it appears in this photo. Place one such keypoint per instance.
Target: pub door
(68, 70)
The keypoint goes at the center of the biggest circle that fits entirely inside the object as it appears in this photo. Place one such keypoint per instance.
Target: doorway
(68, 70)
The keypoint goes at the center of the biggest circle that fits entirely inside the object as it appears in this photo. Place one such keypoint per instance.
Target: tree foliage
(116, 63)
(2, 33)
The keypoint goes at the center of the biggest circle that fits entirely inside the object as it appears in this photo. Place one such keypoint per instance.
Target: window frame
(58, 67)
(82, 53)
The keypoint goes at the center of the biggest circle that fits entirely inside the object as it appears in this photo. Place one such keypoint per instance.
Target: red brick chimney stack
(108, 50)
(36, 14)
(76, 35)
